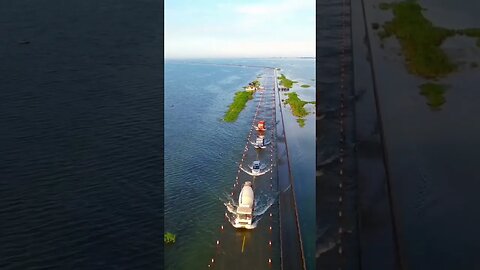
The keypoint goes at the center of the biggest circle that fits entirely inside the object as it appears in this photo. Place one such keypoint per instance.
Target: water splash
(262, 203)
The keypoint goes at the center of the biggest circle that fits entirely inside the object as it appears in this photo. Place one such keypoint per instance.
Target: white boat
(244, 211)
(256, 169)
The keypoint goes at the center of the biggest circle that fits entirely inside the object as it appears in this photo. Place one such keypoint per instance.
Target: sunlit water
(201, 151)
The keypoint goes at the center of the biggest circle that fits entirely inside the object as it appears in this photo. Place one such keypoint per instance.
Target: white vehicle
(256, 169)
(261, 142)
(245, 207)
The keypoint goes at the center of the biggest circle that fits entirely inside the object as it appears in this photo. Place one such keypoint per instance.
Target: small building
(250, 88)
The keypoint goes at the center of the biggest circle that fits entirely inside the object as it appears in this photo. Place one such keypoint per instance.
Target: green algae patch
(169, 238)
(305, 86)
(434, 93)
(297, 104)
(419, 38)
(286, 82)
(301, 122)
(239, 102)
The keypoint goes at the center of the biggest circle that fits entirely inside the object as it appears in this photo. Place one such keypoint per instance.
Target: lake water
(80, 136)
(432, 155)
(201, 150)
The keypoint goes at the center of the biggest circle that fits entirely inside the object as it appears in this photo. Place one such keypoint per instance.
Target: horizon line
(237, 57)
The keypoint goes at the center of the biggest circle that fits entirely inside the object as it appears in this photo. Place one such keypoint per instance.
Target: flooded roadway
(432, 156)
(275, 242)
(258, 248)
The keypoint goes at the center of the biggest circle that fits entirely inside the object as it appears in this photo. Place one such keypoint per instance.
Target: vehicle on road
(261, 126)
(256, 169)
(244, 211)
(260, 142)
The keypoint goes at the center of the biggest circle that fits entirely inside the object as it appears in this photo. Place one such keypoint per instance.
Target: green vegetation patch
(297, 104)
(239, 102)
(419, 38)
(434, 93)
(256, 83)
(305, 86)
(286, 82)
(301, 122)
(169, 238)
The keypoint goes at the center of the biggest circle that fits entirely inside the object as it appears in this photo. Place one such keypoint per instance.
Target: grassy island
(301, 122)
(305, 86)
(169, 238)
(297, 104)
(434, 94)
(420, 39)
(297, 107)
(239, 102)
(286, 82)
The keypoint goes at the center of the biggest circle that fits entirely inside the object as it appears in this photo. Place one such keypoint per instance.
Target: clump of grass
(239, 102)
(169, 238)
(286, 82)
(434, 94)
(305, 86)
(297, 105)
(256, 83)
(419, 38)
(301, 122)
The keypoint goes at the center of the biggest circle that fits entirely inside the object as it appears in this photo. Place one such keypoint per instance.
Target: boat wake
(262, 203)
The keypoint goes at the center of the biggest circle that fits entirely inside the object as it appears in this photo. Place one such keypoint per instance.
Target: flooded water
(432, 155)
(201, 150)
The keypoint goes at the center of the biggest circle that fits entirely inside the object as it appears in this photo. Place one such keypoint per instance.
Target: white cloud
(285, 28)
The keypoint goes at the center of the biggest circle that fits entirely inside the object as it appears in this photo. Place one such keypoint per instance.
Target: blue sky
(239, 28)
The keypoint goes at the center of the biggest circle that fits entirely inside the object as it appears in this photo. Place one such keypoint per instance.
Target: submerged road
(275, 243)
(291, 246)
(355, 215)
(257, 248)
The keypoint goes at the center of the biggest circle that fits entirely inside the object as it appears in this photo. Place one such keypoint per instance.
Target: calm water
(201, 150)
(433, 155)
(80, 135)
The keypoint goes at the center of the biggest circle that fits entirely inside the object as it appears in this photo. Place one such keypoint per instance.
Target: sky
(239, 28)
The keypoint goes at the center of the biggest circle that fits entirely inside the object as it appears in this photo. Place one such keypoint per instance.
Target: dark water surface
(337, 243)
(80, 135)
(432, 155)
